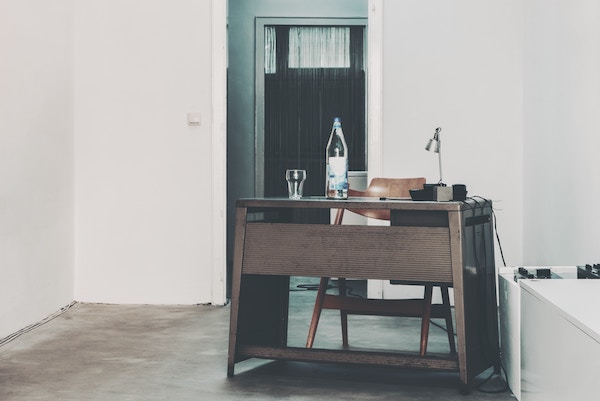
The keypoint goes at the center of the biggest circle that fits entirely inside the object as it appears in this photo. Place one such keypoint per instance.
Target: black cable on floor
(309, 287)
(315, 287)
(497, 391)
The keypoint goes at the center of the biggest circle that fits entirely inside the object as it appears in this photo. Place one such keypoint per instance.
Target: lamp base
(442, 194)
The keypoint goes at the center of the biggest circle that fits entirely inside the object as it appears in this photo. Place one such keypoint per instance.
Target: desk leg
(456, 251)
(238, 256)
(343, 313)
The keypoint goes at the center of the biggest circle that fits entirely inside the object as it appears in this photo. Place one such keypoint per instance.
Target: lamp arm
(440, 162)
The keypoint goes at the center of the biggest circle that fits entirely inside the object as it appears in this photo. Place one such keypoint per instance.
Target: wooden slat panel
(375, 252)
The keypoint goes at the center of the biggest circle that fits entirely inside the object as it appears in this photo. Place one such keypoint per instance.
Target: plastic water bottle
(337, 163)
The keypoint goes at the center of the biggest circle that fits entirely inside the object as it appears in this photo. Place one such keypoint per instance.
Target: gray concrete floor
(121, 352)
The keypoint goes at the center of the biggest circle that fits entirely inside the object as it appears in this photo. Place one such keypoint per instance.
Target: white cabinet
(560, 340)
(510, 307)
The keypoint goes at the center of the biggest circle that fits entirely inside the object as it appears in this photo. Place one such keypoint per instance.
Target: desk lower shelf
(442, 362)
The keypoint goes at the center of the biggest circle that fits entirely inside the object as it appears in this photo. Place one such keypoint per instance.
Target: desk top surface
(363, 203)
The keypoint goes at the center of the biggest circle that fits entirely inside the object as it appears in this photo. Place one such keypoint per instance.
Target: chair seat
(381, 307)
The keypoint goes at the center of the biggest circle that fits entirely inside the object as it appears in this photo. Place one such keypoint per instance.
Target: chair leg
(448, 313)
(425, 318)
(314, 322)
(343, 313)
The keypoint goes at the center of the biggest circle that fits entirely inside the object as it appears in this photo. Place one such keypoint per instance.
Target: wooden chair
(423, 308)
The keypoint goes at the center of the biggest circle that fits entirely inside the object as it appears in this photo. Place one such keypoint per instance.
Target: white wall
(142, 175)
(458, 65)
(36, 161)
(562, 120)
(140, 181)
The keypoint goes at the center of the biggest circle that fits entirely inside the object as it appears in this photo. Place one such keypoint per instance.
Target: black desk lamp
(435, 145)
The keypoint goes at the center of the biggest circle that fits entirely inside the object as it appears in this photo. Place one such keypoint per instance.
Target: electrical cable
(27, 329)
(503, 389)
(498, 237)
(441, 327)
(495, 229)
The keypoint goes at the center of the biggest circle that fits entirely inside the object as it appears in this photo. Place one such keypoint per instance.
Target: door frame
(375, 110)
(219, 131)
(218, 217)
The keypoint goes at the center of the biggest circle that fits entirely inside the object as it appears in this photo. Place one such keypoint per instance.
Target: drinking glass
(295, 180)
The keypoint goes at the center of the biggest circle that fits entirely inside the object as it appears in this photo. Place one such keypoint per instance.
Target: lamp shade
(434, 144)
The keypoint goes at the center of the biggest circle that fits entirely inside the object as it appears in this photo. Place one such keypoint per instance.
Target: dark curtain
(300, 104)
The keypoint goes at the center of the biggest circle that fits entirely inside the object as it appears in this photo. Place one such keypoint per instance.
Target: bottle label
(337, 171)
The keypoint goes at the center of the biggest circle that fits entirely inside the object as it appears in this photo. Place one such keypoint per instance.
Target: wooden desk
(427, 242)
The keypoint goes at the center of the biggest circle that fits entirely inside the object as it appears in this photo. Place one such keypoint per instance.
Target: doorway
(241, 123)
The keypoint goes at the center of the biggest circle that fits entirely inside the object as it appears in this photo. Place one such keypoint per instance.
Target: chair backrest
(383, 187)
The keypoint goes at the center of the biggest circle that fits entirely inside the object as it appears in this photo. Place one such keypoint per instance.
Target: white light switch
(194, 118)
